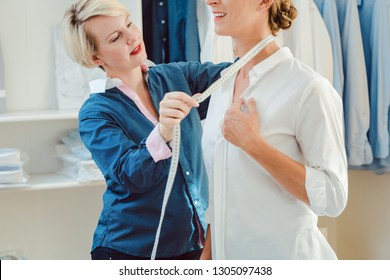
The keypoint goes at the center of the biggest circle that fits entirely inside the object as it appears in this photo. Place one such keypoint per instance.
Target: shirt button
(161, 3)
(163, 21)
(188, 173)
(196, 202)
(164, 39)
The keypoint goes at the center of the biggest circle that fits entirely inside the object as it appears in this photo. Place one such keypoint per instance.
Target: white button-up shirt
(251, 215)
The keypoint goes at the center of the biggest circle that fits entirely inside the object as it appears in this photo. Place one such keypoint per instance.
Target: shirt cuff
(315, 188)
(157, 147)
(359, 155)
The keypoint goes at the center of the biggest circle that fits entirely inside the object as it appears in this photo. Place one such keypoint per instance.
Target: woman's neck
(133, 79)
(242, 78)
(243, 48)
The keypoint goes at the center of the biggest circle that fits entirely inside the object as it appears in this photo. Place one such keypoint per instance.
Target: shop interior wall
(26, 28)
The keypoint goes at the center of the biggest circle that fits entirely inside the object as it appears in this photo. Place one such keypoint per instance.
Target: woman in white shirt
(273, 145)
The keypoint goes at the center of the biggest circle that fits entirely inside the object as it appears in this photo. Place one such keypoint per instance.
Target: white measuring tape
(175, 143)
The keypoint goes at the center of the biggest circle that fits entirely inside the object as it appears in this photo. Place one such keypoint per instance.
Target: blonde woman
(127, 128)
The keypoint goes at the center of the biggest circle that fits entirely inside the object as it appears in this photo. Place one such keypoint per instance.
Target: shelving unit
(33, 119)
(30, 116)
(36, 133)
(51, 181)
(54, 216)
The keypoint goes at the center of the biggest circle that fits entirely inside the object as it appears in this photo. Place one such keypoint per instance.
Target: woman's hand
(238, 127)
(173, 109)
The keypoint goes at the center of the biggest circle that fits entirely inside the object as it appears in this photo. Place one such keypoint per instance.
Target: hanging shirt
(183, 31)
(355, 97)
(155, 29)
(170, 30)
(328, 10)
(385, 163)
(374, 22)
(251, 215)
(308, 39)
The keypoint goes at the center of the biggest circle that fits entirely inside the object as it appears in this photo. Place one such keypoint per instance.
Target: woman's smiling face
(120, 46)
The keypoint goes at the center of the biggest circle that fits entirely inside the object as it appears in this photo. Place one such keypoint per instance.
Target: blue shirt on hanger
(155, 29)
(183, 31)
(355, 96)
(328, 10)
(170, 30)
(374, 22)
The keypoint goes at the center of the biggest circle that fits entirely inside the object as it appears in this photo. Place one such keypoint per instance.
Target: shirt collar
(101, 85)
(269, 62)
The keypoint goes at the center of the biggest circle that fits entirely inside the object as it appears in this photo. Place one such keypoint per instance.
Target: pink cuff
(157, 146)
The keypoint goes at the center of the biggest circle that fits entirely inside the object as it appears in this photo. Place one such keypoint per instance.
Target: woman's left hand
(239, 127)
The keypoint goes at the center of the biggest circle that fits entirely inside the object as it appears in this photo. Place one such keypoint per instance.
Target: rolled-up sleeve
(327, 192)
(320, 133)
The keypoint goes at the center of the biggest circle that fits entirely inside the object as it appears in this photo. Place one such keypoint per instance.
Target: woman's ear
(97, 60)
(265, 4)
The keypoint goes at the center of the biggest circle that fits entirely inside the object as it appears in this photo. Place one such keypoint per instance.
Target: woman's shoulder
(100, 103)
(306, 80)
(305, 77)
(186, 67)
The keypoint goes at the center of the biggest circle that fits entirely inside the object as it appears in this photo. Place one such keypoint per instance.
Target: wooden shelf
(51, 181)
(44, 115)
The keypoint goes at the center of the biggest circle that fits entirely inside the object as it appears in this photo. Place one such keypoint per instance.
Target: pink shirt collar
(101, 85)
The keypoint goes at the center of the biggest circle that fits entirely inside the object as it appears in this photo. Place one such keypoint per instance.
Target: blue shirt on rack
(355, 96)
(170, 30)
(155, 29)
(328, 10)
(183, 31)
(374, 22)
(115, 131)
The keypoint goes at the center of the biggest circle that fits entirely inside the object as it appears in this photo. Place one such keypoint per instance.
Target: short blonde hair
(79, 44)
(281, 15)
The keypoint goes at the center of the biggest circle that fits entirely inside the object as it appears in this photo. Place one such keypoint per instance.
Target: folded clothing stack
(76, 160)
(12, 173)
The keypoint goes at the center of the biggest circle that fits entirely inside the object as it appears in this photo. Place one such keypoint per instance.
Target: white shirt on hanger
(309, 40)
